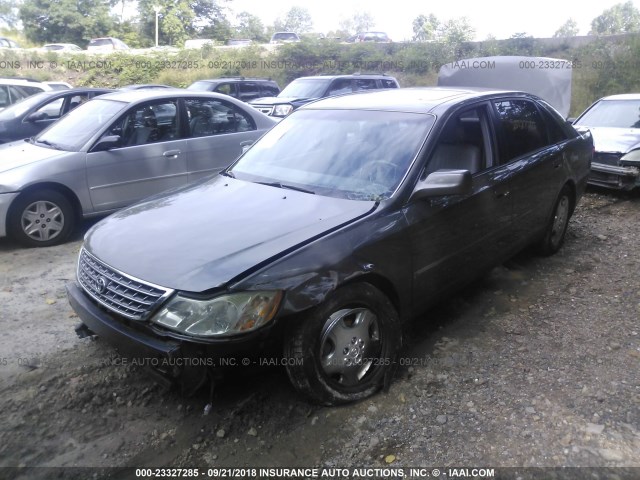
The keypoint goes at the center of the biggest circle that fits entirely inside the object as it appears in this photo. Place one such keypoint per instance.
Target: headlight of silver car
(282, 110)
(221, 316)
(632, 157)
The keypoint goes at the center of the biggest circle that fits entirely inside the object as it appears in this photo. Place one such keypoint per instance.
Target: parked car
(306, 89)
(242, 88)
(614, 122)
(62, 47)
(284, 37)
(348, 218)
(145, 86)
(57, 85)
(8, 43)
(115, 150)
(106, 44)
(198, 42)
(239, 42)
(13, 90)
(381, 37)
(33, 114)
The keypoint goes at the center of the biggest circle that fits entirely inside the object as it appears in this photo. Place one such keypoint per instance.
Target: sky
(539, 18)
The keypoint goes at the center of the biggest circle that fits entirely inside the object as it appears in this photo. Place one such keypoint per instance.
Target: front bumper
(612, 176)
(142, 341)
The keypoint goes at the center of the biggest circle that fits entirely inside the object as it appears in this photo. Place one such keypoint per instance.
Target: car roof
(72, 91)
(623, 96)
(347, 75)
(415, 100)
(234, 79)
(141, 95)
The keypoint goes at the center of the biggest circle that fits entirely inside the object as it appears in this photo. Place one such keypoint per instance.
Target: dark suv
(242, 88)
(306, 89)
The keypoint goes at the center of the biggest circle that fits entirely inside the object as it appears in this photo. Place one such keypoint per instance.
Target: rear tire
(557, 228)
(41, 218)
(344, 350)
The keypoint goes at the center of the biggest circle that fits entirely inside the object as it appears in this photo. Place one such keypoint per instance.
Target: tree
(72, 21)
(297, 19)
(568, 29)
(425, 28)
(359, 22)
(621, 18)
(250, 26)
(8, 12)
(452, 32)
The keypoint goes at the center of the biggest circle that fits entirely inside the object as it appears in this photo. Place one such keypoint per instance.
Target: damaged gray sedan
(348, 218)
(614, 122)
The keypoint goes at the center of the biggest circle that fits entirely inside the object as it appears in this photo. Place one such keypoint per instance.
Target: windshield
(354, 154)
(21, 107)
(613, 113)
(305, 88)
(200, 86)
(73, 130)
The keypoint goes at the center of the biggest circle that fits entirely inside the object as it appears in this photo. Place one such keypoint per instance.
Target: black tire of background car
(555, 233)
(302, 349)
(14, 223)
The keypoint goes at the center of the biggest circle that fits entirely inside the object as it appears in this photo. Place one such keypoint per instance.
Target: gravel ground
(535, 365)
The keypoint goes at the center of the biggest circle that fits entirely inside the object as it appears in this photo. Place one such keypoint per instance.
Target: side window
(523, 128)
(52, 109)
(150, 123)
(215, 117)
(555, 131)
(248, 91)
(386, 83)
(339, 86)
(464, 143)
(224, 88)
(365, 84)
(269, 91)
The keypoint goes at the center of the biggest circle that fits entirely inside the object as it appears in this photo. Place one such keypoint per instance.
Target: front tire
(346, 347)
(557, 227)
(41, 218)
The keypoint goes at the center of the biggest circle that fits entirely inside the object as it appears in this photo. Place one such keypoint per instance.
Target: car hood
(205, 235)
(615, 140)
(20, 153)
(278, 100)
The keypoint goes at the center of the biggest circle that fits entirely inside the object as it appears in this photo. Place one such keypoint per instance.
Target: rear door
(217, 132)
(532, 150)
(151, 156)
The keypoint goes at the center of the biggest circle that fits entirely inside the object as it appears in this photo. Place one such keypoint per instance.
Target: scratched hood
(615, 140)
(205, 235)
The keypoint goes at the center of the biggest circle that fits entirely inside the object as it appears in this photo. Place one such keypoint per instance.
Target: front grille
(125, 295)
(607, 158)
(266, 109)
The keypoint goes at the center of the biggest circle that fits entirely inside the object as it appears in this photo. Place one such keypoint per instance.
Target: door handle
(171, 153)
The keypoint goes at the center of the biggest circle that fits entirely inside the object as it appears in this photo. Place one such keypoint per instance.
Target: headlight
(282, 110)
(220, 316)
(632, 156)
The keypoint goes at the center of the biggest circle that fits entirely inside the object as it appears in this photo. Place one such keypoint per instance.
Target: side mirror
(444, 182)
(246, 145)
(571, 119)
(107, 143)
(36, 117)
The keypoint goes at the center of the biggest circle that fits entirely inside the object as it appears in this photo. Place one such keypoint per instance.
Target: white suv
(13, 90)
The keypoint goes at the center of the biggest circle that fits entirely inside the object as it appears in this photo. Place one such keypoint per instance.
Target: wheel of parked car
(41, 218)
(344, 349)
(557, 228)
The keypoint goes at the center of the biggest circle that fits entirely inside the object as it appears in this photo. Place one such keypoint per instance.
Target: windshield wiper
(48, 143)
(288, 187)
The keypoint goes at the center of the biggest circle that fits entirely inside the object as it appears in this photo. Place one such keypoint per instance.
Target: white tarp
(548, 78)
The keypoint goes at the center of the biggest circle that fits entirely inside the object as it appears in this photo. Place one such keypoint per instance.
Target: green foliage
(425, 28)
(8, 13)
(72, 21)
(297, 19)
(359, 22)
(250, 26)
(621, 18)
(568, 29)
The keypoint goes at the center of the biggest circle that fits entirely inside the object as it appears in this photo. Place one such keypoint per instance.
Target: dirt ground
(535, 365)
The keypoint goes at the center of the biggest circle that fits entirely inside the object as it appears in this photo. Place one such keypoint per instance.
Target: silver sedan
(115, 150)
